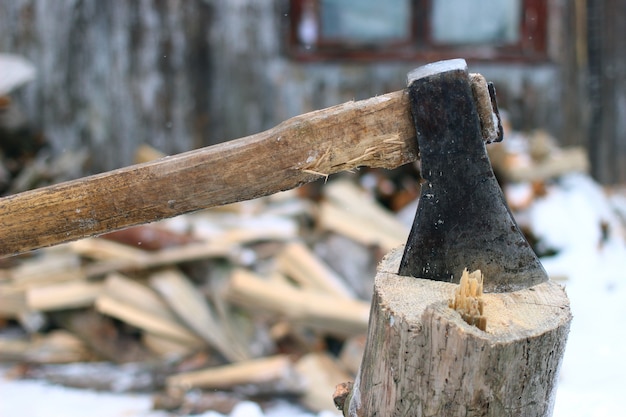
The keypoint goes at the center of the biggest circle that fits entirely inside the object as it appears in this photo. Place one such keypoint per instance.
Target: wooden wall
(606, 89)
(181, 74)
(114, 74)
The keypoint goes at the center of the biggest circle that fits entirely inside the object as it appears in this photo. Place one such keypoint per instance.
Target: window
(418, 29)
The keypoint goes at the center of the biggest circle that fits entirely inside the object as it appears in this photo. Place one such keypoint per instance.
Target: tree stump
(423, 359)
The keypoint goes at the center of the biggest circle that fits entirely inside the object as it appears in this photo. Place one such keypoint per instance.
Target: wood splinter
(468, 299)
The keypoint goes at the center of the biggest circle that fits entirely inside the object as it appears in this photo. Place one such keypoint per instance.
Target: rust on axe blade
(462, 219)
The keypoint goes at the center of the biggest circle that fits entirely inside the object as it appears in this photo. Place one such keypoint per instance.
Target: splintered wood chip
(468, 299)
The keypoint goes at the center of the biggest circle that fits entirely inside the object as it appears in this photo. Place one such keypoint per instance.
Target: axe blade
(462, 219)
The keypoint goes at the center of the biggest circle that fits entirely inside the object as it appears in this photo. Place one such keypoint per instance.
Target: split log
(147, 153)
(58, 346)
(274, 374)
(141, 307)
(354, 262)
(350, 212)
(189, 305)
(149, 237)
(543, 161)
(13, 305)
(320, 374)
(303, 266)
(136, 259)
(423, 359)
(104, 249)
(352, 353)
(100, 334)
(12, 301)
(558, 164)
(339, 316)
(166, 348)
(65, 295)
(55, 266)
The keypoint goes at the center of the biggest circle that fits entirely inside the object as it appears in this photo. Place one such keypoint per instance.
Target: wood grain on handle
(377, 132)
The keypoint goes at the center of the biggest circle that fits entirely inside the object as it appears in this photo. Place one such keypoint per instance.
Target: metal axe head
(462, 219)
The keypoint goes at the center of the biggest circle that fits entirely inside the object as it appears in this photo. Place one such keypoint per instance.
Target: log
(135, 259)
(423, 359)
(335, 315)
(193, 309)
(558, 164)
(298, 262)
(149, 237)
(141, 307)
(351, 212)
(141, 319)
(339, 220)
(65, 295)
(147, 153)
(12, 301)
(275, 374)
(100, 249)
(101, 335)
(320, 372)
(54, 266)
(352, 353)
(164, 347)
(58, 346)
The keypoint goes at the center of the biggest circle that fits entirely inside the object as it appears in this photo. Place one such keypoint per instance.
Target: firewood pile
(262, 298)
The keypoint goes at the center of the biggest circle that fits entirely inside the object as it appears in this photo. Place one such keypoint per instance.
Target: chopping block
(438, 345)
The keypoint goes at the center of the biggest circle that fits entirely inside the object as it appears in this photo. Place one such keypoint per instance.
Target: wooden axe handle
(377, 132)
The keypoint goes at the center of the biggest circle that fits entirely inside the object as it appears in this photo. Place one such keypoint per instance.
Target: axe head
(462, 219)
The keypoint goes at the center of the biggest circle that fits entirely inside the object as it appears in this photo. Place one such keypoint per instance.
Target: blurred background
(179, 75)
(88, 86)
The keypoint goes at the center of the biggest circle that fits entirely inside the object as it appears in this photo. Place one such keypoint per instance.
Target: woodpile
(534, 159)
(240, 299)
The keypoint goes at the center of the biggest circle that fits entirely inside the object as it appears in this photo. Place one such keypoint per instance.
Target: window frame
(532, 46)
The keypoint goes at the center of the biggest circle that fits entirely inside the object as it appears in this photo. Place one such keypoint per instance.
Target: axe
(444, 118)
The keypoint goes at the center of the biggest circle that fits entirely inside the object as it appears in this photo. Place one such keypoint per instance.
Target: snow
(591, 257)
(569, 218)
(38, 399)
(16, 71)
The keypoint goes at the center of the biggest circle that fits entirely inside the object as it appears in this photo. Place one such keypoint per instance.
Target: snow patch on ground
(40, 399)
(570, 218)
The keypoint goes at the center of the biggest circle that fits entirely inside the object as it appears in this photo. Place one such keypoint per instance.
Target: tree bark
(422, 359)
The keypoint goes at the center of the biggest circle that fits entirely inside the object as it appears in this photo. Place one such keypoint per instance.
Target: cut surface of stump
(423, 359)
